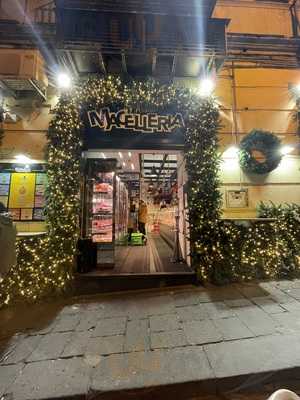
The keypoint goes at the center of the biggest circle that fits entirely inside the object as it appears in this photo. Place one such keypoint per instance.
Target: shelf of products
(101, 208)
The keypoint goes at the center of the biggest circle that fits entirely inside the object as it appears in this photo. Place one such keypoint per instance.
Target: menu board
(23, 194)
(102, 208)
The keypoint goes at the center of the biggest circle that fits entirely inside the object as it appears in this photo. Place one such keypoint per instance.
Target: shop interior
(134, 212)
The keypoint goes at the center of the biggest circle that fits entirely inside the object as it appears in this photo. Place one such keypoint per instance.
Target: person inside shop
(131, 221)
(143, 215)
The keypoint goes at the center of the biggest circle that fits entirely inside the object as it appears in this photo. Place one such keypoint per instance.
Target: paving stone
(168, 322)
(110, 326)
(24, 347)
(218, 310)
(50, 346)
(269, 353)
(259, 322)
(292, 306)
(289, 322)
(186, 298)
(199, 332)
(295, 293)
(137, 335)
(70, 309)
(152, 368)
(250, 291)
(160, 340)
(77, 344)
(105, 345)
(268, 305)
(146, 306)
(232, 328)
(226, 293)
(67, 323)
(238, 303)
(8, 374)
(7, 346)
(192, 313)
(56, 379)
(88, 320)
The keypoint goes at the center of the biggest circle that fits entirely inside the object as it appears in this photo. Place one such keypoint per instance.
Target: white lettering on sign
(142, 122)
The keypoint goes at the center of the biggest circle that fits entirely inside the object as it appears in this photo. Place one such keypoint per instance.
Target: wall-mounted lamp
(63, 80)
(286, 150)
(206, 87)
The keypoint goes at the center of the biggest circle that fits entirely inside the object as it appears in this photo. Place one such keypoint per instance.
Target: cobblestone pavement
(198, 340)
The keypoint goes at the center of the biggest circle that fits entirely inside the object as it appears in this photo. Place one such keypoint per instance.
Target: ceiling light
(120, 155)
(124, 163)
(286, 150)
(103, 155)
(129, 154)
(22, 159)
(63, 80)
(132, 166)
(231, 152)
(206, 87)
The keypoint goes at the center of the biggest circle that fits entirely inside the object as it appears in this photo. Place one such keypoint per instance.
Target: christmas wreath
(264, 143)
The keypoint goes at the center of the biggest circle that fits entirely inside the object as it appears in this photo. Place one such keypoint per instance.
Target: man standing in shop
(143, 214)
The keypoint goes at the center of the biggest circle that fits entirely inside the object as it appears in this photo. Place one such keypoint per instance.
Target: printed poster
(26, 214)
(5, 178)
(4, 190)
(38, 214)
(41, 179)
(22, 190)
(15, 213)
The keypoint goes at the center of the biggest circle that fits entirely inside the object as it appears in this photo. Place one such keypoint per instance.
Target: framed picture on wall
(237, 198)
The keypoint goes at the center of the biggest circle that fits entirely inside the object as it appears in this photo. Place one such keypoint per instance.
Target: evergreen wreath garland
(266, 143)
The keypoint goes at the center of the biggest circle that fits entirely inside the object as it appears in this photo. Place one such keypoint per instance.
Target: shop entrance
(134, 213)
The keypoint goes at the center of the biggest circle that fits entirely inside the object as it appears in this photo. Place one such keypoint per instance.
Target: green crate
(137, 239)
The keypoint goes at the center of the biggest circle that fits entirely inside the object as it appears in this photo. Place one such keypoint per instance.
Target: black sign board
(114, 127)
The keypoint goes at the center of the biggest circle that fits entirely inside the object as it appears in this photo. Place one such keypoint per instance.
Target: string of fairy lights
(221, 251)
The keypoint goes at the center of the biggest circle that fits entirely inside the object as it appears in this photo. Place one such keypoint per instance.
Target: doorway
(135, 212)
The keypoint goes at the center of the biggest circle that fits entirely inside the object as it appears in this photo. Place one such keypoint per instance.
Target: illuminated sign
(106, 120)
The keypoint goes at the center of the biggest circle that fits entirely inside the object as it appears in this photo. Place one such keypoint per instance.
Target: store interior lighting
(63, 80)
(22, 159)
(120, 155)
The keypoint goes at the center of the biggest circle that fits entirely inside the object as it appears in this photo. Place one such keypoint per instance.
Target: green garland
(45, 266)
(221, 251)
(266, 143)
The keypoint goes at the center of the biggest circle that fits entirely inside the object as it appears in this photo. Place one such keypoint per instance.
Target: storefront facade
(253, 71)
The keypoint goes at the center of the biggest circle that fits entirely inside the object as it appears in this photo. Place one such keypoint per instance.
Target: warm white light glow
(132, 166)
(103, 155)
(120, 155)
(22, 159)
(129, 154)
(231, 152)
(297, 88)
(63, 80)
(124, 163)
(206, 87)
(286, 150)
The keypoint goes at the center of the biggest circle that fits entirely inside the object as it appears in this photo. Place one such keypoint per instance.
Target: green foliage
(266, 143)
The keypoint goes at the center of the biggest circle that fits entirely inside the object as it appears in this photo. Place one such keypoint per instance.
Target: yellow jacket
(143, 213)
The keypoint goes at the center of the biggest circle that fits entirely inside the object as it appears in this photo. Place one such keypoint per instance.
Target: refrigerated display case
(100, 202)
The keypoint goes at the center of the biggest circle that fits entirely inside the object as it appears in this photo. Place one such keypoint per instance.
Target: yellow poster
(22, 187)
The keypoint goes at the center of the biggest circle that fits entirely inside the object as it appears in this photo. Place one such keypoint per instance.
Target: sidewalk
(174, 343)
